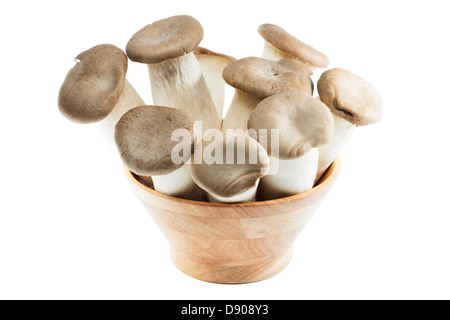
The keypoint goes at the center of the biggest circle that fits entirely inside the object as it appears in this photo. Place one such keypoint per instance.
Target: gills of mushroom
(354, 102)
(175, 75)
(231, 168)
(146, 137)
(302, 124)
(96, 90)
(212, 65)
(279, 44)
(255, 79)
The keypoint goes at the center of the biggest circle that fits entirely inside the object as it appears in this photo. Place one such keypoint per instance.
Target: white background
(70, 227)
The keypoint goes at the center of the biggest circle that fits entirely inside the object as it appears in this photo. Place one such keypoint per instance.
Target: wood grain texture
(233, 243)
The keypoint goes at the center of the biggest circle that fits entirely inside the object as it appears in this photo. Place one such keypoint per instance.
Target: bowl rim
(327, 179)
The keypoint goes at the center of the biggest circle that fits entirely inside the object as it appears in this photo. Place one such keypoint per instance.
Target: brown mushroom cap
(93, 86)
(165, 39)
(263, 78)
(201, 52)
(350, 97)
(303, 123)
(143, 138)
(284, 41)
(227, 180)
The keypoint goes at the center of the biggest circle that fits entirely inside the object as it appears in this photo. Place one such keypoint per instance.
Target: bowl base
(230, 272)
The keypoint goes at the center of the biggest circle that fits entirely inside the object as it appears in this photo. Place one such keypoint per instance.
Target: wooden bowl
(233, 243)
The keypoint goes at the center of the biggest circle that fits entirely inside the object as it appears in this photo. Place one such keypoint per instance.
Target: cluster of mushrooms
(273, 102)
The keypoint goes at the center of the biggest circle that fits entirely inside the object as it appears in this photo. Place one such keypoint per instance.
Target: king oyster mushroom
(255, 79)
(96, 90)
(302, 123)
(175, 74)
(279, 44)
(354, 102)
(144, 137)
(231, 168)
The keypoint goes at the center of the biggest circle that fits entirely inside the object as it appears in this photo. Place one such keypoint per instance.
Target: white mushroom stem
(127, 101)
(291, 176)
(179, 184)
(247, 196)
(240, 110)
(343, 131)
(212, 72)
(179, 83)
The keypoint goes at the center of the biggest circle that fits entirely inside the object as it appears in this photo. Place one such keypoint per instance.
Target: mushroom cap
(303, 123)
(227, 180)
(263, 78)
(286, 42)
(165, 39)
(201, 52)
(144, 139)
(350, 97)
(93, 86)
